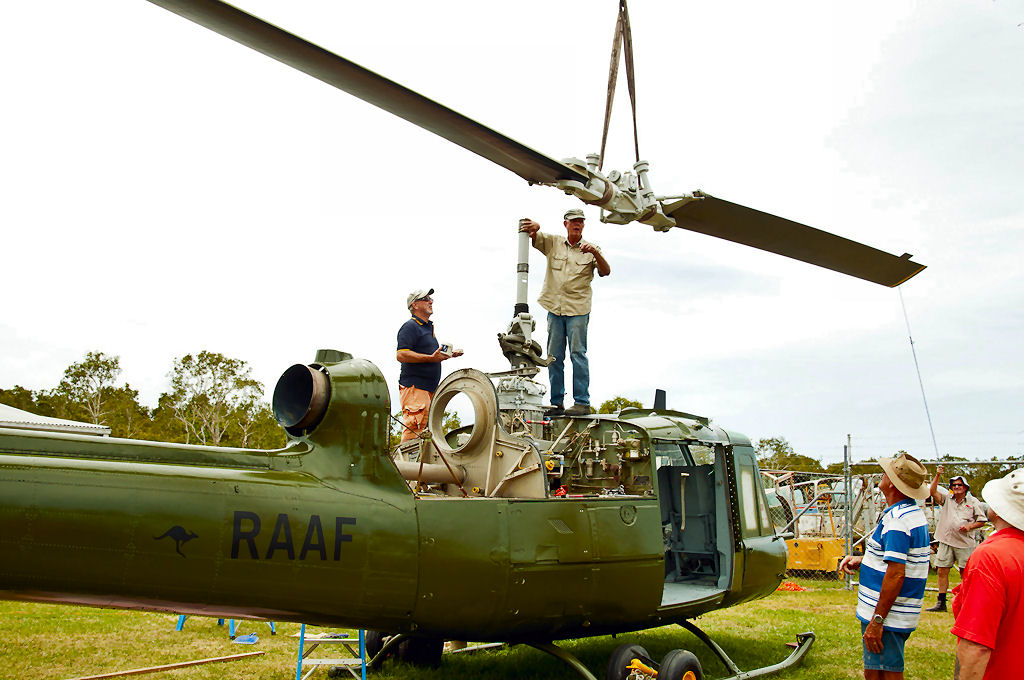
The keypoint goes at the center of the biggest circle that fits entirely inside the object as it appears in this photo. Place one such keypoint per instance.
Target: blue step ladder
(220, 622)
(356, 658)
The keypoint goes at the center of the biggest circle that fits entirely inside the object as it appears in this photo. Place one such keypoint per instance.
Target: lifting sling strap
(623, 41)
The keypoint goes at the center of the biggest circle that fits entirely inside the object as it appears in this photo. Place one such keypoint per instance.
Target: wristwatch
(877, 618)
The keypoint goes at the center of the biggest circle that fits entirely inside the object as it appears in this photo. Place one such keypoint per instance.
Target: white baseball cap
(417, 294)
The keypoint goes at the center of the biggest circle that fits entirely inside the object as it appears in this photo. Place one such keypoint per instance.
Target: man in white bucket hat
(894, 569)
(989, 602)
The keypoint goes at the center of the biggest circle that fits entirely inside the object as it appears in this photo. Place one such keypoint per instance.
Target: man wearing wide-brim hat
(988, 605)
(894, 569)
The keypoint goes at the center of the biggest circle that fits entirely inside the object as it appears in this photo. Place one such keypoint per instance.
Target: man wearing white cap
(420, 354)
(894, 569)
(567, 295)
(959, 515)
(988, 605)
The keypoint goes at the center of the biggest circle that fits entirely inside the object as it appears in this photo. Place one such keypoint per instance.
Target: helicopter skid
(565, 657)
(387, 649)
(804, 642)
(803, 645)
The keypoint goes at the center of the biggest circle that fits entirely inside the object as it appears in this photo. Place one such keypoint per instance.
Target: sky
(164, 191)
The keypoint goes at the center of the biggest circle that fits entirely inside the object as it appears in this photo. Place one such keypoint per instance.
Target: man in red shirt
(989, 603)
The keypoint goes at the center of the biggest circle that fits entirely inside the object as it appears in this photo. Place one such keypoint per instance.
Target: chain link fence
(812, 508)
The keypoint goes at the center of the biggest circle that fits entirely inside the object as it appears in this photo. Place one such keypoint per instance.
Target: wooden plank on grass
(167, 667)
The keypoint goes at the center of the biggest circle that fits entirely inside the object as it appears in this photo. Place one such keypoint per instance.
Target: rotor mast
(517, 344)
(518, 393)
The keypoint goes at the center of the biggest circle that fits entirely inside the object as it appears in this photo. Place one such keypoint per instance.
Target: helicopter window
(749, 500)
(671, 453)
(753, 504)
(767, 526)
(703, 454)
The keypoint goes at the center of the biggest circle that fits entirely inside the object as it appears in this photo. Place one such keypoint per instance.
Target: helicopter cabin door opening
(688, 473)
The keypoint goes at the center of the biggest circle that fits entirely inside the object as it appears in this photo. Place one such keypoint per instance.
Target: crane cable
(623, 41)
(918, 368)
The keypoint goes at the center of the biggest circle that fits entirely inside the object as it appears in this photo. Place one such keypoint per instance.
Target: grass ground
(51, 641)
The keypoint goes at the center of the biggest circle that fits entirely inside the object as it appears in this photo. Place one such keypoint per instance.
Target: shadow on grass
(522, 661)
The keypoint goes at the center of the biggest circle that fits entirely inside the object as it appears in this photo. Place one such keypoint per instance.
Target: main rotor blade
(343, 74)
(715, 217)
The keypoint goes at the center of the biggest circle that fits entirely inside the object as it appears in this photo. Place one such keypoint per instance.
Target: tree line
(213, 399)
(210, 399)
(775, 453)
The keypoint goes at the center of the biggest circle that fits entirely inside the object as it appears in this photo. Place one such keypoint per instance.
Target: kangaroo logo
(179, 535)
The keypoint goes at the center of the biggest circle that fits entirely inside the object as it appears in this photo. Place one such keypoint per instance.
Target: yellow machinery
(809, 512)
(813, 553)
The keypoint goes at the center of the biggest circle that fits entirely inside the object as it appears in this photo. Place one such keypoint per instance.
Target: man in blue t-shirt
(420, 355)
(894, 569)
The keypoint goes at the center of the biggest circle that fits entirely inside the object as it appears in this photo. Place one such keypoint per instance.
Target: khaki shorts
(415, 408)
(944, 556)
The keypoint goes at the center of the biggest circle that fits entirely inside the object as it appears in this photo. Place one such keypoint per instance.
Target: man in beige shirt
(571, 263)
(960, 514)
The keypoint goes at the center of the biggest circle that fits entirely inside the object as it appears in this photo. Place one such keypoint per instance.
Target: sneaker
(939, 607)
(578, 410)
(554, 410)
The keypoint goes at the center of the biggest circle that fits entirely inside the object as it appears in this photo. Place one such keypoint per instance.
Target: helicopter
(514, 529)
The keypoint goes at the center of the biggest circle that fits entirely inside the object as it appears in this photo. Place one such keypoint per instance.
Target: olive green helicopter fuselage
(328, 531)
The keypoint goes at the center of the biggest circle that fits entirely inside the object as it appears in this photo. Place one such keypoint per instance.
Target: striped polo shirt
(901, 536)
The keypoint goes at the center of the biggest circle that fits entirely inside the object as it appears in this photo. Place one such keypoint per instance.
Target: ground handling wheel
(374, 640)
(421, 651)
(618, 663)
(680, 665)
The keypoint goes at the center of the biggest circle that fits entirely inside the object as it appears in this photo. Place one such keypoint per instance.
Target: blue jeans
(573, 329)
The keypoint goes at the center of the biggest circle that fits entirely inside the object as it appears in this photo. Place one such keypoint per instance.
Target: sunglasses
(426, 299)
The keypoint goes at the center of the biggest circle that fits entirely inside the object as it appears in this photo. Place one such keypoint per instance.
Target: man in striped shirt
(894, 569)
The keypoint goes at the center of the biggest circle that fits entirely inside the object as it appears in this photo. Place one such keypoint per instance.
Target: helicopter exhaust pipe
(430, 473)
(300, 398)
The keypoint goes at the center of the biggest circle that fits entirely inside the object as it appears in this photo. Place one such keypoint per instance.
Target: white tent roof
(16, 418)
